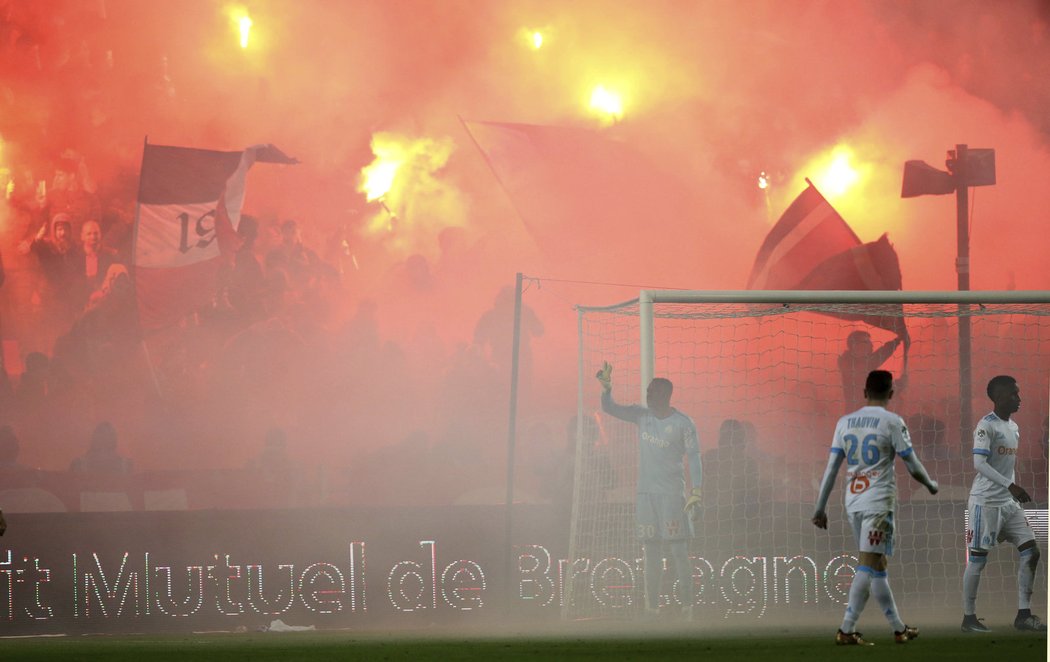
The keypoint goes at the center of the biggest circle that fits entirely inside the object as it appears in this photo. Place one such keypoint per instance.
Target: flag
(807, 233)
(812, 247)
(189, 206)
(870, 266)
(589, 198)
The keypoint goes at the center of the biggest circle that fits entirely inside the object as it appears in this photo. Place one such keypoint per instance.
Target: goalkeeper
(663, 513)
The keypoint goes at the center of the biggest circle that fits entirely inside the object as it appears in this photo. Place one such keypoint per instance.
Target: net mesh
(765, 385)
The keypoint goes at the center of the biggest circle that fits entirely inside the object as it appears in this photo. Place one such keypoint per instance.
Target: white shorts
(661, 517)
(873, 531)
(990, 525)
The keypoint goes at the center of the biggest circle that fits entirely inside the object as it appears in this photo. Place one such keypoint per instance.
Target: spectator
(73, 190)
(272, 471)
(9, 450)
(52, 246)
(32, 387)
(101, 456)
(54, 251)
(244, 290)
(733, 493)
(292, 256)
(859, 359)
(90, 263)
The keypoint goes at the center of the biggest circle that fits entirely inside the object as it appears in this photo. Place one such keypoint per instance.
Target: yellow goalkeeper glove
(692, 504)
(605, 376)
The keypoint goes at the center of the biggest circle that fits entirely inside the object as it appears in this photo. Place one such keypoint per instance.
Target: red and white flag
(812, 248)
(808, 232)
(870, 266)
(189, 206)
(586, 197)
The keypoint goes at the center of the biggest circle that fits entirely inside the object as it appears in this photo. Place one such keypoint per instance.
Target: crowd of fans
(74, 357)
(275, 346)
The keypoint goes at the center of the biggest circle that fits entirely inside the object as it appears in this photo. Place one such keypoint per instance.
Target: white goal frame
(647, 312)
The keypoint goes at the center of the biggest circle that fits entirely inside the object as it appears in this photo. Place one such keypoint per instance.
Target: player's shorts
(990, 525)
(662, 517)
(873, 531)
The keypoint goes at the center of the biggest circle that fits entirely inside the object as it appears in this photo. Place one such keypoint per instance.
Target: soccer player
(868, 439)
(663, 514)
(995, 513)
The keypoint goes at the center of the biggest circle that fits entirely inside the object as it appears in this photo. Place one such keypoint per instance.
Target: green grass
(935, 644)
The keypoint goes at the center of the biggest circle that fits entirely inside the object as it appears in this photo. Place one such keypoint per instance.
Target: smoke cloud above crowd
(374, 99)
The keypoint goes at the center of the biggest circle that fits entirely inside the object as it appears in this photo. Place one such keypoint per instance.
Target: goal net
(762, 375)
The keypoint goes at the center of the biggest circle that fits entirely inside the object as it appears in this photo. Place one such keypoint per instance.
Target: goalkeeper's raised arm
(629, 413)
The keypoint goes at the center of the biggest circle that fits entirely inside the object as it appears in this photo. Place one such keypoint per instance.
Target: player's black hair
(879, 383)
(665, 382)
(997, 382)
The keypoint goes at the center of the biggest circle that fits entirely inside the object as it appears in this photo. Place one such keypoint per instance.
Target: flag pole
(502, 184)
(962, 270)
(134, 272)
(512, 426)
(817, 191)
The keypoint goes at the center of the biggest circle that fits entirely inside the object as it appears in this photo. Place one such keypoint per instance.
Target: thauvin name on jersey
(864, 421)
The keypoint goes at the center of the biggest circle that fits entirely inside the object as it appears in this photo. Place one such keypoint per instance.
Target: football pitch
(809, 645)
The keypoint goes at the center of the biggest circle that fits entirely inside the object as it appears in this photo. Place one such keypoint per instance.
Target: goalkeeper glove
(605, 376)
(692, 504)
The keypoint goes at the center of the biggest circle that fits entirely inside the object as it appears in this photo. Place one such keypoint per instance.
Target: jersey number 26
(868, 450)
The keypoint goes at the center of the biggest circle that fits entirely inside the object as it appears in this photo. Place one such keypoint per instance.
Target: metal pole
(511, 435)
(962, 270)
(568, 585)
(646, 340)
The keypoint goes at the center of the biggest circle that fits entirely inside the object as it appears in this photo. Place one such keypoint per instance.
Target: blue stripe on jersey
(981, 451)
(975, 524)
(990, 417)
(906, 452)
(839, 451)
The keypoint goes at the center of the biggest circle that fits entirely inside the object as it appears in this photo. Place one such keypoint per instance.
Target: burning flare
(242, 22)
(402, 180)
(607, 104)
(378, 177)
(245, 26)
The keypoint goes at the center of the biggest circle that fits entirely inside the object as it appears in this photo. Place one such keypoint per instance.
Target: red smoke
(715, 93)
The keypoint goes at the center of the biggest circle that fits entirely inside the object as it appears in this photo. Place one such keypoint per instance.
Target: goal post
(762, 374)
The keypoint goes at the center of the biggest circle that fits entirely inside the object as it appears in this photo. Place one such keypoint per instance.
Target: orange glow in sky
(836, 171)
(534, 37)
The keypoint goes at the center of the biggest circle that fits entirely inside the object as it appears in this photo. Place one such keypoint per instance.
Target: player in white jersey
(995, 511)
(663, 514)
(868, 440)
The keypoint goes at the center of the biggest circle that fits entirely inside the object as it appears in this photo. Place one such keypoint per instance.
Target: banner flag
(807, 233)
(180, 231)
(585, 195)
